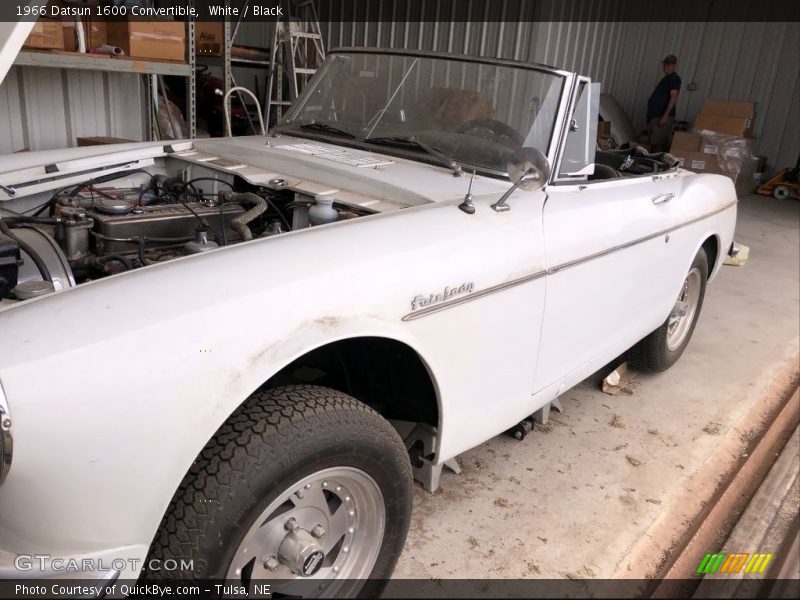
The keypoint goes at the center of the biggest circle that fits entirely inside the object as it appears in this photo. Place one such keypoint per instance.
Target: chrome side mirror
(528, 169)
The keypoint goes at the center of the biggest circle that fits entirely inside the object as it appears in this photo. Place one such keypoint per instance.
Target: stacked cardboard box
(730, 117)
(688, 148)
(604, 141)
(208, 37)
(721, 143)
(47, 34)
(155, 40)
(158, 40)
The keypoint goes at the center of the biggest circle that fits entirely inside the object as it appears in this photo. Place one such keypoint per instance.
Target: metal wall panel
(42, 109)
(589, 48)
(754, 61)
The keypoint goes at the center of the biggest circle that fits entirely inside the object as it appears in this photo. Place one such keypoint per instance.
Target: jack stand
(422, 439)
(543, 414)
(524, 427)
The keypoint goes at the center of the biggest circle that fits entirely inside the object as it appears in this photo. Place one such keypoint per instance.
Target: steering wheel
(493, 130)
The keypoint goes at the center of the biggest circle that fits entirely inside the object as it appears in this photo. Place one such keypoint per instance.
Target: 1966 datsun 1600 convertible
(210, 348)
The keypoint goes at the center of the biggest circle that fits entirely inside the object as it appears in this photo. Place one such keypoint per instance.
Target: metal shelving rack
(286, 49)
(34, 58)
(152, 70)
(227, 61)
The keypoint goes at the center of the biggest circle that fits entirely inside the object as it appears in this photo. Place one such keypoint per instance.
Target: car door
(606, 247)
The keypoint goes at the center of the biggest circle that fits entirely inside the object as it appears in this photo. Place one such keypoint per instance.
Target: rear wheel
(662, 348)
(304, 488)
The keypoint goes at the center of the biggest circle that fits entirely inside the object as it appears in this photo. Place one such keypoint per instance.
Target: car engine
(93, 231)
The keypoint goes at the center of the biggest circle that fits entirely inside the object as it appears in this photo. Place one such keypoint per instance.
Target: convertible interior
(628, 162)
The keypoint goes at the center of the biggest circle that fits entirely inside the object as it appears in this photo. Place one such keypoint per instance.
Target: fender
(168, 352)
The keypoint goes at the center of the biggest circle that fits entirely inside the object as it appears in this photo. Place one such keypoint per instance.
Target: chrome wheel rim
(682, 316)
(317, 538)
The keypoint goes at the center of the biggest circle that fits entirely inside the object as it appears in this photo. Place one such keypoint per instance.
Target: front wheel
(303, 488)
(662, 348)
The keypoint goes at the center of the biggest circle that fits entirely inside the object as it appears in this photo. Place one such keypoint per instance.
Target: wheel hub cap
(682, 315)
(324, 531)
(300, 552)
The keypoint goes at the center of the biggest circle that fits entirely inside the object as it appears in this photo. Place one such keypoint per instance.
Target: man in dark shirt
(661, 105)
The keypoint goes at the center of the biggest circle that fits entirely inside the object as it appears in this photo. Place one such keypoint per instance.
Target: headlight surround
(6, 441)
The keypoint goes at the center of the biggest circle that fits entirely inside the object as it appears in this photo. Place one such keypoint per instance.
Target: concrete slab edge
(693, 520)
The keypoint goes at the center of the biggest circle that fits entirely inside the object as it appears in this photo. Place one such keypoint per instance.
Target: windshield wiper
(414, 142)
(321, 126)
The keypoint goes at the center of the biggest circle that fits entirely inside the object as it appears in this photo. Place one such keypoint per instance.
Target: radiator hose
(239, 224)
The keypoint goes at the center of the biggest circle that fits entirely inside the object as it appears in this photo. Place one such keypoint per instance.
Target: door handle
(661, 198)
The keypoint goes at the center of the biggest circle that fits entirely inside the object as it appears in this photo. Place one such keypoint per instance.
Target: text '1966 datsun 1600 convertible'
(236, 354)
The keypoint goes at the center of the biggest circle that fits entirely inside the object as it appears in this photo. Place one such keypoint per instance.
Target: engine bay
(95, 229)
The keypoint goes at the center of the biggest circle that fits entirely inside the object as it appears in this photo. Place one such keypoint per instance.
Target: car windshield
(474, 113)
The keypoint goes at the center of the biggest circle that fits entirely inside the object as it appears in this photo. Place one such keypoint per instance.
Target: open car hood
(12, 36)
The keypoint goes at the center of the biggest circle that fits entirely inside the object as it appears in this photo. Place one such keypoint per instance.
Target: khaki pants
(659, 134)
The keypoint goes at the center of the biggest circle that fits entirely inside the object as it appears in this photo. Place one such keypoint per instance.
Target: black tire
(653, 354)
(277, 437)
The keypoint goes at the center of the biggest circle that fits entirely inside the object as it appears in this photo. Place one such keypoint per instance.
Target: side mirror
(528, 169)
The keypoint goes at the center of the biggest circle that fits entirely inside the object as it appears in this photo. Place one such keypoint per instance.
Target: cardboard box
(208, 37)
(156, 40)
(70, 36)
(699, 162)
(738, 126)
(745, 145)
(746, 182)
(604, 140)
(96, 33)
(687, 141)
(47, 34)
(729, 108)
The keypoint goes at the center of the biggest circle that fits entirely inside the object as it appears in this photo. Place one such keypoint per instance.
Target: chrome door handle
(661, 198)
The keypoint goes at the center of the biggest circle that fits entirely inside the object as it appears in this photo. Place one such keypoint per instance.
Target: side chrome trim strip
(424, 312)
(640, 240)
(417, 314)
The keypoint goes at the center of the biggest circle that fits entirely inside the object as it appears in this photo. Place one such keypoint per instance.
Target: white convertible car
(231, 353)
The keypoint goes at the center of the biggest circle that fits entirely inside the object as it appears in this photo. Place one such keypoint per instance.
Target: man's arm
(673, 100)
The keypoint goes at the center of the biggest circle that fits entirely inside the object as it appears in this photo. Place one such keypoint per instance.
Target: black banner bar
(375, 11)
(485, 589)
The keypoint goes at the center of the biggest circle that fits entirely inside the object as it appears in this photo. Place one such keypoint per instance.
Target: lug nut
(271, 563)
(290, 525)
(5, 423)
(318, 531)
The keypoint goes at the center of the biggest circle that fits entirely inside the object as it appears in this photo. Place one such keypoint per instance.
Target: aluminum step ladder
(297, 52)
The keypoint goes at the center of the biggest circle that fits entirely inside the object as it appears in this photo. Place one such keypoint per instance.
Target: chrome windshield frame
(556, 136)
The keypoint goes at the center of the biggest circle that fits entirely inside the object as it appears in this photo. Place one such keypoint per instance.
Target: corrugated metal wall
(589, 48)
(42, 109)
(757, 61)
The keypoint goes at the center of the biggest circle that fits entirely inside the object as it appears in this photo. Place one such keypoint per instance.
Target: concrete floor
(609, 486)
